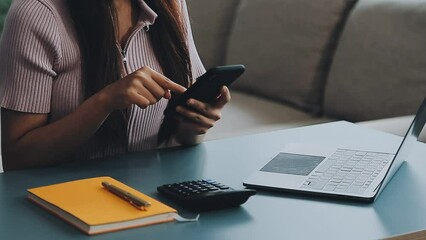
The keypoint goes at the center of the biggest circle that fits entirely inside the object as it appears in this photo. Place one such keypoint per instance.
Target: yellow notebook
(93, 209)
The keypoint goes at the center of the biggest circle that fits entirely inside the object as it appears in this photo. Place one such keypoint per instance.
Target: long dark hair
(94, 24)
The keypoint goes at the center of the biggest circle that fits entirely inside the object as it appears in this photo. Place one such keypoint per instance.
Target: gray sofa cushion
(211, 24)
(379, 69)
(286, 45)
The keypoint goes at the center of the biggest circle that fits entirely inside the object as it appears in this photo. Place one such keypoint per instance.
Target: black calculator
(203, 195)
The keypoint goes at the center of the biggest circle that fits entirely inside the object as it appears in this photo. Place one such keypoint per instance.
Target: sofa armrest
(397, 126)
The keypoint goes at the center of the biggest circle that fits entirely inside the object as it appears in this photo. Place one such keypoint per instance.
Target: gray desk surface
(401, 207)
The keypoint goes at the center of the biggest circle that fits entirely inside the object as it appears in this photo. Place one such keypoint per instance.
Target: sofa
(315, 61)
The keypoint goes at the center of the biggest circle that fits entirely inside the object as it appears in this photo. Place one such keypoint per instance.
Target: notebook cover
(88, 201)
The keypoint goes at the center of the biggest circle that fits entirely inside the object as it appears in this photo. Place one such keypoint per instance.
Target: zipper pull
(124, 56)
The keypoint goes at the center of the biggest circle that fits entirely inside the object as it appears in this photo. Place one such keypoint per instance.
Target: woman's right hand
(29, 139)
(143, 87)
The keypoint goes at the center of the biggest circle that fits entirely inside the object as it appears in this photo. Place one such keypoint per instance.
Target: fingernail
(190, 101)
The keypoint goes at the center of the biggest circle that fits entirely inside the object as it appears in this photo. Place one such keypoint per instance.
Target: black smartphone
(207, 87)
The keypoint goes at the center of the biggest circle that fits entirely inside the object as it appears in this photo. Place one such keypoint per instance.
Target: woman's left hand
(199, 116)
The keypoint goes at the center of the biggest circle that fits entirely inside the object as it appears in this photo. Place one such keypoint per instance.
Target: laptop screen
(407, 143)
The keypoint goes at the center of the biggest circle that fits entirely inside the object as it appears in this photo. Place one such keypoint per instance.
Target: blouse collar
(148, 15)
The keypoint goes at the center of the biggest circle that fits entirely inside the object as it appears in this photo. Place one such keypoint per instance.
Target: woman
(91, 78)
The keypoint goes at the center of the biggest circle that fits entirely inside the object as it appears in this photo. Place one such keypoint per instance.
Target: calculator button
(209, 181)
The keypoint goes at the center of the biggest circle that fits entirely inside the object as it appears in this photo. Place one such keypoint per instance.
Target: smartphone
(207, 87)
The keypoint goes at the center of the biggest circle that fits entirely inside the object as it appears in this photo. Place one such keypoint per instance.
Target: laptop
(334, 171)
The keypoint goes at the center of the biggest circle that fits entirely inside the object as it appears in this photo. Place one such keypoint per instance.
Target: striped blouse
(41, 69)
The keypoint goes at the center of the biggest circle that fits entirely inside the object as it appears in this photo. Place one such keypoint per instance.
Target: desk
(401, 208)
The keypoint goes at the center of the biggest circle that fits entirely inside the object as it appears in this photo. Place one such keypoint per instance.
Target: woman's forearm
(30, 141)
(189, 139)
(52, 143)
(186, 135)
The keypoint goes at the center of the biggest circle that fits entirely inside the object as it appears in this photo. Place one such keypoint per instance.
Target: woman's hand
(29, 139)
(143, 87)
(199, 117)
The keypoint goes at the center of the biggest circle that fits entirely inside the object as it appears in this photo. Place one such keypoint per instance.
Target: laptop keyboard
(348, 171)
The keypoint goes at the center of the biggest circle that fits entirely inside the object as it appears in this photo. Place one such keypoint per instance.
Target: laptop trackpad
(293, 164)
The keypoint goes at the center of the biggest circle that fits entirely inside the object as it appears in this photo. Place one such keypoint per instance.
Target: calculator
(205, 195)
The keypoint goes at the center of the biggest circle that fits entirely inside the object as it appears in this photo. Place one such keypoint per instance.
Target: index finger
(166, 83)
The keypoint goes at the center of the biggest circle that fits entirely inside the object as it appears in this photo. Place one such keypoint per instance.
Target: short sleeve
(29, 50)
(197, 66)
